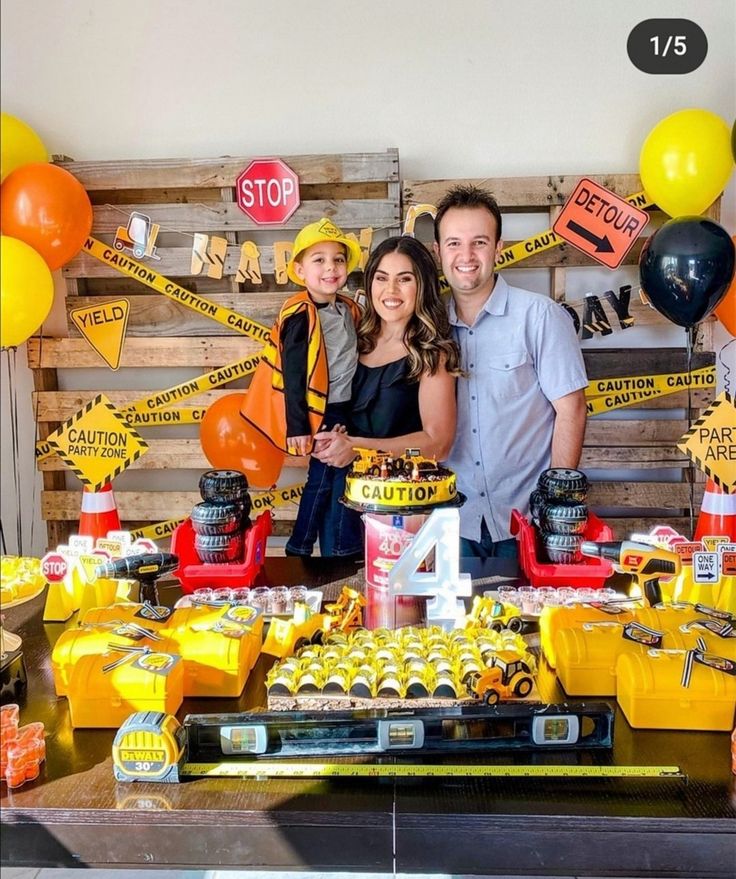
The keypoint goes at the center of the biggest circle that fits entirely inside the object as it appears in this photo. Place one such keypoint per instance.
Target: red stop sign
(268, 191)
(54, 567)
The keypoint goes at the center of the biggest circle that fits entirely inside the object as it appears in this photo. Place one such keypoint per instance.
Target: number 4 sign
(446, 585)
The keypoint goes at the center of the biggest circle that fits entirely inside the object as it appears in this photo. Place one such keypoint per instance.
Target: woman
(404, 387)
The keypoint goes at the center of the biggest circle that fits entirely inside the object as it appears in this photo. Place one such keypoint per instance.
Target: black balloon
(686, 268)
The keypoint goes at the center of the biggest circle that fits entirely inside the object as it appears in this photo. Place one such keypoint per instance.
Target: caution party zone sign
(97, 443)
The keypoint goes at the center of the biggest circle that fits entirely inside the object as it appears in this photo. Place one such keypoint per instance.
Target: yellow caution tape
(607, 394)
(257, 769)
(670, 382)
(166, 417)
(223, 375)
(267, 500)
(548, 239)
(158, 529)
(134, 269)
(162, 399)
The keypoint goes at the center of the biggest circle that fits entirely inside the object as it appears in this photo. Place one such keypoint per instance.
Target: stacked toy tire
(222, 518)
(559, 511)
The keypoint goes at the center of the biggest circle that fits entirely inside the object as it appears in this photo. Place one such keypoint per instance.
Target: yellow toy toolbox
(721, 594)
(80, 641)
(652, 693)
(714, 627)
(553, 619)
(668, 617)
(726, 599)
(105, 688)
(104, 591)
(586, 656)
(218, 646)
(718, 637)
(148, 615)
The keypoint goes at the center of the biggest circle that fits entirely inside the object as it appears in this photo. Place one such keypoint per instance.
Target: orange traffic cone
(99, 513)
(717, 514)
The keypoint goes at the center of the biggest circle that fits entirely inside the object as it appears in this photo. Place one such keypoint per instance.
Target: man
(522, 407)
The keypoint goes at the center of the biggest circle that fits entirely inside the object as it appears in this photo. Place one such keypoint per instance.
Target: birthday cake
(380, 482)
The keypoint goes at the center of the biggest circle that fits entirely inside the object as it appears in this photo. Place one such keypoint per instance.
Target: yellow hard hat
(314, 233)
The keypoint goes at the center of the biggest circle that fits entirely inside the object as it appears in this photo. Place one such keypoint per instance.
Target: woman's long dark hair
(428, 336)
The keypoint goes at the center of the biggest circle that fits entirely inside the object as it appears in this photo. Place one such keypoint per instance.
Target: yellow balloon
(686, 161)
(26, 291)
(19, 145)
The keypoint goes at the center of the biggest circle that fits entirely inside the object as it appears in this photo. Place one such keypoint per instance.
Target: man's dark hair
(467, 196)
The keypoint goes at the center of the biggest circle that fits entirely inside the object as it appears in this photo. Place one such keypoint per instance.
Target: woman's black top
(385, 403)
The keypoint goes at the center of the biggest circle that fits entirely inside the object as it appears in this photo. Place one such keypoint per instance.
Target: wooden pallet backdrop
(641, 444)
(357, 191)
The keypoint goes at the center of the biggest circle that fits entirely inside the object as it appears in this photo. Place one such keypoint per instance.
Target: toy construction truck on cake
(378, 482)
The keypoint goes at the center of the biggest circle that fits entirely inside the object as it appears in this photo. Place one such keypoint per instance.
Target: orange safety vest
(265, 401)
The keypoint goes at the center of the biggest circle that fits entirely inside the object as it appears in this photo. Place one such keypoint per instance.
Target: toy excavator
(285, 637)
(346, 613)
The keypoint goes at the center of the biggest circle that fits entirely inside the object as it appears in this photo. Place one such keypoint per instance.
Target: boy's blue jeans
(340, 529)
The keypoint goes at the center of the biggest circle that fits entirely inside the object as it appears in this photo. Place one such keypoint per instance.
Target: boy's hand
(299, 445)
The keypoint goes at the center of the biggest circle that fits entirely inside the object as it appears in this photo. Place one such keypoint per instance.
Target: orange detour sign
(600, 223)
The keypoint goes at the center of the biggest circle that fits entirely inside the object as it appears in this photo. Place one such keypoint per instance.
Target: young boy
(305, 377)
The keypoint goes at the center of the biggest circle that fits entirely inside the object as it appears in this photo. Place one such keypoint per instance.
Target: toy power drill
(145, 568)
(645, 563)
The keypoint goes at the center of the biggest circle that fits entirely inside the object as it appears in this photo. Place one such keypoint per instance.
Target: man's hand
(299, 445)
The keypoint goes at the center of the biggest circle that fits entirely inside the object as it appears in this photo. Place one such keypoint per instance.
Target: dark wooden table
(75, 814)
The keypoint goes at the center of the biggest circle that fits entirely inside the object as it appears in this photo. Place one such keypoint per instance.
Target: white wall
(473, 89)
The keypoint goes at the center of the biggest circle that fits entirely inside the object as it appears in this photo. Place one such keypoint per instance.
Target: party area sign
(711, 442)
(600, 223)
(97, 443)
(103, 326)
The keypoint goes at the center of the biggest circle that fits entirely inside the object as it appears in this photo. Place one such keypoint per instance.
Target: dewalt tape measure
(259, 769)
(152, 746)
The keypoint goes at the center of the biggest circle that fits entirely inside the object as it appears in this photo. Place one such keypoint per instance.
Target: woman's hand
(319, 445)
(334, 448)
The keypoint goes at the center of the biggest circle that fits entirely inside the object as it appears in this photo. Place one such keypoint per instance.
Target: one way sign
(600, 223)
(705, 567)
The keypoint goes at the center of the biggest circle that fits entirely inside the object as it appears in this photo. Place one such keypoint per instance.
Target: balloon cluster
(687, 265)
(45, 216)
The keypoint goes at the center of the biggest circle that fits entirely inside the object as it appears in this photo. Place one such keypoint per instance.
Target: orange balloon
(46, 207)
(725, 311)
(229, 442)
